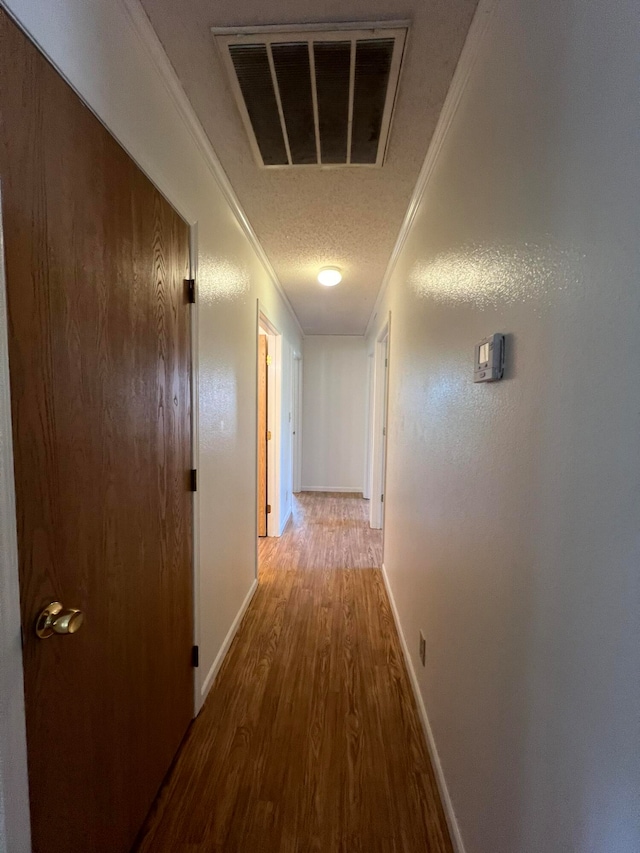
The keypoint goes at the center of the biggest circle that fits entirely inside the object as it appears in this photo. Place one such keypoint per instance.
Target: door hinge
(268, 360)
(386, 362)
(195, 656)
(190, 284)
(384, 430)
(193, 480)
(381, 498)
(268, 508)
(268, 435)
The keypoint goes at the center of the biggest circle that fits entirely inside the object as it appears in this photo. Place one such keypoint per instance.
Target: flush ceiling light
(330, 276)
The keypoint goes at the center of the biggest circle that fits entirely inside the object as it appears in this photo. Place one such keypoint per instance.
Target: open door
(379, 429)
(296, 424)
(383, 442)
(263, 399)
(99, 356)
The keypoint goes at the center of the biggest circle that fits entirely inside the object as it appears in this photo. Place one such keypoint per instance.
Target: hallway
(310, 738)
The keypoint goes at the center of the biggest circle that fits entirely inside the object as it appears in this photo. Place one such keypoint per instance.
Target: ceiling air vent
(315, 96)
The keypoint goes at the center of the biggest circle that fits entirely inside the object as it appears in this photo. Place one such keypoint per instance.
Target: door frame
(296, 445)
(262, 427)
(379, 425)
(366, 489)
(274, 422)
(198, 699)
(15, 826)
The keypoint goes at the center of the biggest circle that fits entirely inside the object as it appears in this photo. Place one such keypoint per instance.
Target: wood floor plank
(310, 741)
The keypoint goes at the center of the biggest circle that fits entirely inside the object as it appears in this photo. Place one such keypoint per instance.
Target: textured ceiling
(306, 219)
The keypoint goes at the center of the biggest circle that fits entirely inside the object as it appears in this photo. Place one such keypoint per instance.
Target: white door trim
(198, 699)
(366, 491)
(379, 426)
(274, 422)
(297, 423)
(15, 830)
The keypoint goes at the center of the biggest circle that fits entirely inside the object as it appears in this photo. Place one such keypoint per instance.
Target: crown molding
(157, 54)
(459, 81)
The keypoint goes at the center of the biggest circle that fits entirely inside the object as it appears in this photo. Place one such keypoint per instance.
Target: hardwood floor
(310, 739)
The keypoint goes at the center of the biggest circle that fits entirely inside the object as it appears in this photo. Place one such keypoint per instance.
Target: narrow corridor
(310, 739)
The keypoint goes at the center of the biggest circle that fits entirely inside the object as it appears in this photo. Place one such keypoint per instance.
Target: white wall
(286, 434)
(513, 520)
(334, 413)
(108, 52)
(368, 444)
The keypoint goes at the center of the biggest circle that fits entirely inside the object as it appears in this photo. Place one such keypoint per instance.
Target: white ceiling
(310, 218)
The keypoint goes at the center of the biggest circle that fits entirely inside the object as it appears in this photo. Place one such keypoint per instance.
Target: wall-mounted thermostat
(489, 365)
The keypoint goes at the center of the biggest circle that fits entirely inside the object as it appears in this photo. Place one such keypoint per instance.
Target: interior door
(99, 355)
(262, 434)
(295, 423)
(383, 460)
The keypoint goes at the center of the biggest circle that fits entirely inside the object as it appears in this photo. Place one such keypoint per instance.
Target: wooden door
(262, 434)
(99, 355)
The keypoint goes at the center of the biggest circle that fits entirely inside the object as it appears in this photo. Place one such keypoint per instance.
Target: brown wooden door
(262, 435)
(100, 385)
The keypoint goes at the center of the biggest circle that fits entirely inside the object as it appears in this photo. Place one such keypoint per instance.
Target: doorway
(269, 417)
(379, 428)
(296, 423)
(263, 432)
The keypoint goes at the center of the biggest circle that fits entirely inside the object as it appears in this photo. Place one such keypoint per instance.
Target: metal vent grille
(315, 96)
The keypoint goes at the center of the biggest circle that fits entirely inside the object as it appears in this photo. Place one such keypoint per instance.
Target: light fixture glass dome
(330, 276)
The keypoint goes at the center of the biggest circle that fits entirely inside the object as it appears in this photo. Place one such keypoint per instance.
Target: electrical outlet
(423, 648)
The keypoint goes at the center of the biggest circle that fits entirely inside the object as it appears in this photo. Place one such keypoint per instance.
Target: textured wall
(334, 412)
(513, 533)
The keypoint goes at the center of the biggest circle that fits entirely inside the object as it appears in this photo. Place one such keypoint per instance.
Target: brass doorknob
(54, 619)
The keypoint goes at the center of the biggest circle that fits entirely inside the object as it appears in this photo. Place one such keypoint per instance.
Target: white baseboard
(454, 829)
(352, 490)
(207, 684)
